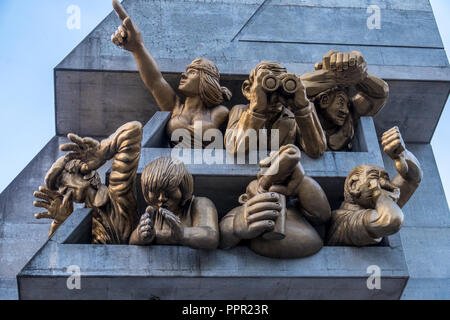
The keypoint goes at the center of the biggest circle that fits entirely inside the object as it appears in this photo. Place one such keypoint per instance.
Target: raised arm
(387, 218)
(348, 70)
(125, 147)
(129, 38)
(408, 167)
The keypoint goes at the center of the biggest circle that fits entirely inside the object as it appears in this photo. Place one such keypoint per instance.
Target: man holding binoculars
(278, 101)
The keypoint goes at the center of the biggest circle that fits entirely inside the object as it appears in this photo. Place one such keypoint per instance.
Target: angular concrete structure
(97, 88)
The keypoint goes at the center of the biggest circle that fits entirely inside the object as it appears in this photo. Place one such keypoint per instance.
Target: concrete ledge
(173, 272)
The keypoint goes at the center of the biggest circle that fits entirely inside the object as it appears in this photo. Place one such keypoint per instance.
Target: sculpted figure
(174, 216)
(373, 202)
(277, 102)
(342, 92)
(199, 84)
(73, 178)
(278, 209)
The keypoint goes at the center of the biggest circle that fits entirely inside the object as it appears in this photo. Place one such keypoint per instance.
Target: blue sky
(36, 39)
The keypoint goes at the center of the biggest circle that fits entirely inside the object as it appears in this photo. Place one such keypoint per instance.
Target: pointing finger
(119, 10)
(129, 25)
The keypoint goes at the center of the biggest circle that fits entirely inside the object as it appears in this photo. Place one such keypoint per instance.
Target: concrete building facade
(97, 89)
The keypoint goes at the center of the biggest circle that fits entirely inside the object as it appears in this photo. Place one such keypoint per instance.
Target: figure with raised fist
(372, 206)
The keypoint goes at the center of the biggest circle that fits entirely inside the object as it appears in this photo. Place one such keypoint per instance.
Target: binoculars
(288, 84)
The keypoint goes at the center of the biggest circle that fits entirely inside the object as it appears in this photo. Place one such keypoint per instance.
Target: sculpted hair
(211, 93)
(275, 67)
(355, 173)
(165, 174)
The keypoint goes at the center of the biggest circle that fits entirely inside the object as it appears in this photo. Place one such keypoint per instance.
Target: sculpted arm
(387, 218)
(204, 233)
(129, 38)
(408, 167)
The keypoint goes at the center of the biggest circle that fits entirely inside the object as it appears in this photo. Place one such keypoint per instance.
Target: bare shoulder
(219, 115)
(203, 202)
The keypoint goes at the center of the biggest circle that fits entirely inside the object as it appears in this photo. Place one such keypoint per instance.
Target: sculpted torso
(181, 118)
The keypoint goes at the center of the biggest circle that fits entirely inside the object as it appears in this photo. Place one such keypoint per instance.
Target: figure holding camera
(278, 101)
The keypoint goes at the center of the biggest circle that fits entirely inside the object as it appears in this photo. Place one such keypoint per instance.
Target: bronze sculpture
(174, 216)
(199, 84)
(263, 206)
(330, 87)
(277, 102)
(73, 178)
(373, 202)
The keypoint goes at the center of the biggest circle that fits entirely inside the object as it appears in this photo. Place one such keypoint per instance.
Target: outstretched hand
(127, 35)
(87, 150)
(59, 207)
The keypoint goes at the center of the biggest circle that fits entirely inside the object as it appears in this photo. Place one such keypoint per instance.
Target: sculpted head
(202, 79)
(334, 105)
(66, 175)
(363, 182)
(275, 104)
(167, 183)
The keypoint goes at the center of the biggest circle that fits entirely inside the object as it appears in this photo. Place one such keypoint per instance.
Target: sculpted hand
(127, 35)
(86, 150)
(258, 216)
(174, 223)
(58, 207)
(394, 147)
(258, 96)
(281, 172)
(146, 229)
(348, 68)
(299, 100)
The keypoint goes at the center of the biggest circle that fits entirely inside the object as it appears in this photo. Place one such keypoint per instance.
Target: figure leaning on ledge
(343, 91)
(200, 85)
(274, 226)
(277, 102)
(174, 216)
(73, 178)
(372, 206)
